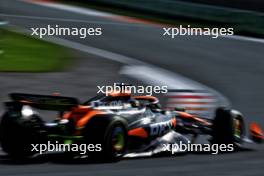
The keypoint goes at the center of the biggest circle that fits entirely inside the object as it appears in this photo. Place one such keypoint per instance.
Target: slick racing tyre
(110, 132)
(17, 134)
(228, 127)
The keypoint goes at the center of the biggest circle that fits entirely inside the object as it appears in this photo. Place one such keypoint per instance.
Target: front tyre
(228, 127)
(110, 132)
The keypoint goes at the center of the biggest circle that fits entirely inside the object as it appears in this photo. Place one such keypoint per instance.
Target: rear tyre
(110, 133)
(228, 128)
(17, 134)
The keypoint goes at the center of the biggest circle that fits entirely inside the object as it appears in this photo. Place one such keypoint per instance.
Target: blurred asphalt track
(231, 66)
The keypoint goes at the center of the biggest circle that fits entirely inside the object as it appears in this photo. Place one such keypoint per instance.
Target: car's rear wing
(45, 102)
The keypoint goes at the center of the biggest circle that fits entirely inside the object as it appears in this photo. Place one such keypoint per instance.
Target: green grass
(21, 53)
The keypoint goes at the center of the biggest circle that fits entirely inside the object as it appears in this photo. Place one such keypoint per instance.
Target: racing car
(121, 122)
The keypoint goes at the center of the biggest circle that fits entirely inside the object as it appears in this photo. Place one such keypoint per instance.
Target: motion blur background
(132, 36)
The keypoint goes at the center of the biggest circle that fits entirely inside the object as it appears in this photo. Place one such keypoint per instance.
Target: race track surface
(233, 67)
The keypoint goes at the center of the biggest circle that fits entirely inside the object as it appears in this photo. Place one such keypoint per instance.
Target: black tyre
(228, 127)
(110, 132)
(17, 134)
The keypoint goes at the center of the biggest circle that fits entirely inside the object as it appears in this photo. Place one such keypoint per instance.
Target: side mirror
(256, 133)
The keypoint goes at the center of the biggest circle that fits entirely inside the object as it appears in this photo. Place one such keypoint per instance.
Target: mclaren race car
(123, 125)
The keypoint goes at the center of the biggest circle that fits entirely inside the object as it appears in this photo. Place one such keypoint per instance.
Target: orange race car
(114, 126)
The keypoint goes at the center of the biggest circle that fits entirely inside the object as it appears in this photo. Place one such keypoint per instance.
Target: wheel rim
(238, 129)
(118, 139)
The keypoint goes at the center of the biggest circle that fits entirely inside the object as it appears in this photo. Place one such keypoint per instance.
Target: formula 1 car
(122, 123)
